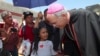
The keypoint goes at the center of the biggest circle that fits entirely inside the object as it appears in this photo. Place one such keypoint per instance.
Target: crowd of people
(80, 33)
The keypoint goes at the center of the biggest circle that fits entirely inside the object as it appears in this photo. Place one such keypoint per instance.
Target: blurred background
(7, 5)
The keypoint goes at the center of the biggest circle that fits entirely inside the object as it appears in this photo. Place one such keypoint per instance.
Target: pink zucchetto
(55, 7)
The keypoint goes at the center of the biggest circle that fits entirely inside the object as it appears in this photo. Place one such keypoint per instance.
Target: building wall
(16, 11)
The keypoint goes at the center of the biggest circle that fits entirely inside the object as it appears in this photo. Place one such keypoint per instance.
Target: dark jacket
(85, 31)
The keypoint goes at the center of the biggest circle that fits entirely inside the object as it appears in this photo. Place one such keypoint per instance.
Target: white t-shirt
(1, 44)
(45, 48)
(25, 47)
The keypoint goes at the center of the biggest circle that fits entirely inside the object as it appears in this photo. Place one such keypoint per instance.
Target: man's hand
(59, 53)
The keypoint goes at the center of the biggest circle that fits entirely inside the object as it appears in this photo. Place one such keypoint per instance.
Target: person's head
(40, 15)
(28, 17)
(45, 13)
(7, 17)
(42, 35)
(57, 15)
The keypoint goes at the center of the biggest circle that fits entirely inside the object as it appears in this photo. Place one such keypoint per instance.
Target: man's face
(8, 19)
(57, 21)
(29, 19)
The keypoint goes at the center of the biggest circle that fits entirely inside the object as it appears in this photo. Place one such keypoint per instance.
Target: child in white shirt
(42, 46)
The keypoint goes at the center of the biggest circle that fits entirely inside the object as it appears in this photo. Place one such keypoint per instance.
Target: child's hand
(60, 54)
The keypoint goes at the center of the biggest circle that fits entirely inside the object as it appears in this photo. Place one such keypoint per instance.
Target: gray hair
(60, 13)
(5, 13)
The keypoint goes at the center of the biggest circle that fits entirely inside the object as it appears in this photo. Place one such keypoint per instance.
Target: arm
(7, 36)
(36, 23)
(52, 50)
(19, 42)
(20, 33)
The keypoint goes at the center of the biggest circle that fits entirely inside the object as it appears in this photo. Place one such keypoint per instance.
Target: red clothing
(27, 33)
(11, 43)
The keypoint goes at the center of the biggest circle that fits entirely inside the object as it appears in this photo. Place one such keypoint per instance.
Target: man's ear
(63, 15)
(48, 15)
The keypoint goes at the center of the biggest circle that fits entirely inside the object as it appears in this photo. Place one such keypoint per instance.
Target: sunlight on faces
(58, 19)
(8, 18)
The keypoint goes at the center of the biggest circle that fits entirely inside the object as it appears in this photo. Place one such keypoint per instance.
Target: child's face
(43, 34)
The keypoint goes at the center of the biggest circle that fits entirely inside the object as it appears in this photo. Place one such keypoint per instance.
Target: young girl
(42, 46)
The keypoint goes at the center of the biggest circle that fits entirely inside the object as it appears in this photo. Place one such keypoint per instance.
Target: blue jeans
(4, 53)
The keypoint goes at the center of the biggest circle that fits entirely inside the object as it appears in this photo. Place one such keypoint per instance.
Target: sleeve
(93, 35)
(52, 50)
(56, 38)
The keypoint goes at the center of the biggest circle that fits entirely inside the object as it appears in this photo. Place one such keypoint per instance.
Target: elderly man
(11, 41)
(81, 30)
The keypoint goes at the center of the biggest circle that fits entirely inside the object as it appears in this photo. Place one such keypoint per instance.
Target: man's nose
(10, 18)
